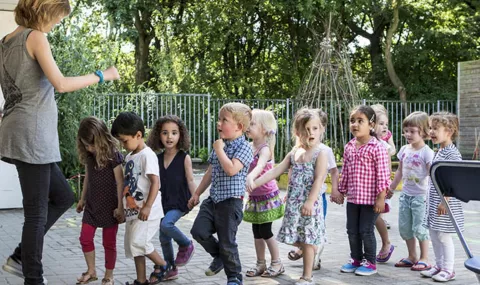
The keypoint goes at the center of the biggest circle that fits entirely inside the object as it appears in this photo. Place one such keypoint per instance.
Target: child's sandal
(160, 275)
(258, 270)
(136, 282)
(86, 278)
(271, 271)
(107, 281)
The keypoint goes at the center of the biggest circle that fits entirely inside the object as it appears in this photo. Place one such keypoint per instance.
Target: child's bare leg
(141, 267)
(412, 249)
(424, 250)
(260, 248)
(274, 253)
(383, 231)
(108, 274)
(91, 272)
(308, 256)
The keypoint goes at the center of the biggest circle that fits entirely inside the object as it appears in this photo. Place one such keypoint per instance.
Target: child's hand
(80, 206)
(307, 208)
(144, 212)
(250, 184)
(111, 73)
(389, 194)
(337, 197)
(379, 206)
(442, 209)
(218, 145)
(193, 201)
(119, 215)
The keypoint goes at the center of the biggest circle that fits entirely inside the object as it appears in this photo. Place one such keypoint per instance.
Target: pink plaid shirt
(365, 172)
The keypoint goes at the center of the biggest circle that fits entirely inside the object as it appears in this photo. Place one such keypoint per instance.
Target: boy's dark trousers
(360, 229)
(222, 218)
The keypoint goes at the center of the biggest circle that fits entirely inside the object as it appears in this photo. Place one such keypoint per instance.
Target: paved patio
(63, 258)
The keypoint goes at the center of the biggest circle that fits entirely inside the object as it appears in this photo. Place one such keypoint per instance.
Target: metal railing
(200, 113)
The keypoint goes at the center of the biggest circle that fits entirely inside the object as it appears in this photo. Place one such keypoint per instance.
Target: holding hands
(337, 197)
(193, 201)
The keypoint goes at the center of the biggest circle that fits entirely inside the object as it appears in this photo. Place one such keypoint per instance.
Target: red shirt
(365, 172)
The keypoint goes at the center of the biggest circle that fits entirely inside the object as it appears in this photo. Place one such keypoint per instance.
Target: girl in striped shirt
(365, 179)
(443, 131)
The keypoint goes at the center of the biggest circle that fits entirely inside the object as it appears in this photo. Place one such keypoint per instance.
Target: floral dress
(295, 227)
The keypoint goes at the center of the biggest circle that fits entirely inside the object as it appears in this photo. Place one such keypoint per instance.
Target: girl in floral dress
(303, 224)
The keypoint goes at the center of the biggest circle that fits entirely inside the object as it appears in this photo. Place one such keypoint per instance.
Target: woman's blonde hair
(34, 14)
(448, 120)
(93, 131)
(266, 119)
(419, 120)
(241, 113)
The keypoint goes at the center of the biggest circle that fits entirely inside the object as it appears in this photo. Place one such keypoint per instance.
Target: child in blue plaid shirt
(221, 212)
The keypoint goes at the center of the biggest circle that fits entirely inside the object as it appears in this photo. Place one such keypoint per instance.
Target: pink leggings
(109, 238)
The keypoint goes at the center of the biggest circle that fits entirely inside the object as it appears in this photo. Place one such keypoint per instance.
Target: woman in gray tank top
(28, 132)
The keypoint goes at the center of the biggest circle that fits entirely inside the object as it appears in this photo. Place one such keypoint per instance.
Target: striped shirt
(365, 172)
(443, 223)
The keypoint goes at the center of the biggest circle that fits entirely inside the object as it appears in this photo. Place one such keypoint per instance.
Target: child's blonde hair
(241, 113)
(417, 119)
(448, 120)
(302, 117)
(267, 120)
(93, 131)
(34, 14)
(379, 109)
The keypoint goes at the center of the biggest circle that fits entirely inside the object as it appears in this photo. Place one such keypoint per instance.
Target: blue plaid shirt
(224, 186)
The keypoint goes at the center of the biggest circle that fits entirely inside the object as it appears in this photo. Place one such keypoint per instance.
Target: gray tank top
(28, 131)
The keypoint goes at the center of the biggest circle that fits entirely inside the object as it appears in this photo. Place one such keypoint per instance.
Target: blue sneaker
(351, 266)
(234, 281)
(366, 269)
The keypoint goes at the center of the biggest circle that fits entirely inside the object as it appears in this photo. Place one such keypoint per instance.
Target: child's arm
(336, 196)
(342, 185)
(152, 195)
(393, 149)
(189, 174)
(39, 48)
(230, 166)
(206, 181)
(320, 172)
(383, 178)
(81, 203)
(118, 213)
(273, 173)
(398, 177)
(263, 157)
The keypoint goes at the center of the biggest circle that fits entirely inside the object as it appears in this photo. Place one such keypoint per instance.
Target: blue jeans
(169, 231)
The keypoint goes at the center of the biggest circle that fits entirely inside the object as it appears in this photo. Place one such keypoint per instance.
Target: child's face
(381, 127)
(412, 135)
(255, 130)
(313, 132)
(227, 127)
(131, 143)
(439, 134)
(360, 125)
(89, 147)
(170, 135)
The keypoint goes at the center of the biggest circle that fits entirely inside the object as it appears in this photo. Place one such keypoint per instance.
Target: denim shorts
(411, 217)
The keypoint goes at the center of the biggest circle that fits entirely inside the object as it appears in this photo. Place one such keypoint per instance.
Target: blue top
(173, 183)
(223, 186)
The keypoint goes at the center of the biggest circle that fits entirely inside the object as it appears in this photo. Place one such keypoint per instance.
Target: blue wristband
(100, 75)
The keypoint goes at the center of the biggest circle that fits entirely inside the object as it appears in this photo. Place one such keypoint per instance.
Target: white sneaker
(14, 266)
(305, 281)
(430, 272)
(444, 276)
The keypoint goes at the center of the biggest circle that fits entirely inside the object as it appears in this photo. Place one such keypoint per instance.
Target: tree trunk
(142, 49)
(388, 55)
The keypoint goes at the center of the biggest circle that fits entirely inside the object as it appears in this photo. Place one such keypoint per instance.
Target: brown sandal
(107, 281)
(85, 280)
(293, 255)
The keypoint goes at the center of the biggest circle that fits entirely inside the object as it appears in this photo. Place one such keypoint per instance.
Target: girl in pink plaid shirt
(365, 179)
